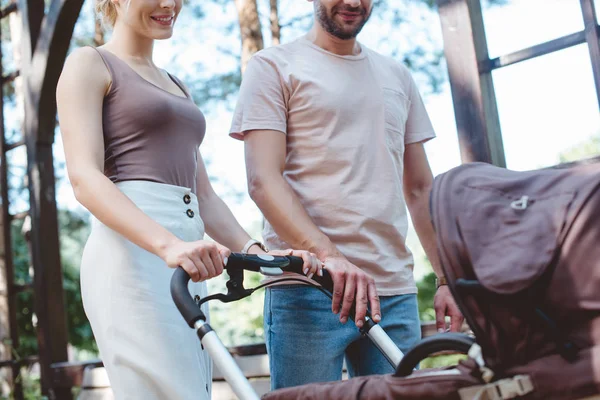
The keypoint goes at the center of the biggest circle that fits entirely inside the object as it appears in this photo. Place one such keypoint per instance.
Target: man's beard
(335, 29)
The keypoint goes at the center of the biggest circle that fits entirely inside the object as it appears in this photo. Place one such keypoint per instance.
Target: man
(334, 137)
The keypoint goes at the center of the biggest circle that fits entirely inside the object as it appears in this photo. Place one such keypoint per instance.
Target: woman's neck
(131, 45)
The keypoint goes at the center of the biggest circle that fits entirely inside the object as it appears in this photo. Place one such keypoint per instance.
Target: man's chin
(346, 34)
(340, 22)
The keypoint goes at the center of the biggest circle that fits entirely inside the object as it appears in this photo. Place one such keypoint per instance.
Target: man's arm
(265, 161)
(418, 180)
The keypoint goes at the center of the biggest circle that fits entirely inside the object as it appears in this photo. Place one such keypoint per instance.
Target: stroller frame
(270, 266)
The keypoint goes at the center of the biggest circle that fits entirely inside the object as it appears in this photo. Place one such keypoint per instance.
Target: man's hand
(350, 283)
(445, 305)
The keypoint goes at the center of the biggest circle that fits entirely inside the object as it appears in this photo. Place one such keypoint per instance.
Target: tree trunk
(275, 27)
(250, 29)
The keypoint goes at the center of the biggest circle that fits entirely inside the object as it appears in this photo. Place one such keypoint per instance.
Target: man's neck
(333, 44)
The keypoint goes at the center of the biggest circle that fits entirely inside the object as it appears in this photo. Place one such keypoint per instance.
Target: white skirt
(147, 348)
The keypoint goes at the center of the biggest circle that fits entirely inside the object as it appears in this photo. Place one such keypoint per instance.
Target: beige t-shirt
(347, 120)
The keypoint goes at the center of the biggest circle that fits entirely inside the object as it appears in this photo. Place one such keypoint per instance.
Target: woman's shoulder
(87, 61)
(86, 66)
(85, 69)
(85, 57)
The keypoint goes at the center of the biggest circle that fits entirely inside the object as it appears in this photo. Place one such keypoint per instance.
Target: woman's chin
(165, 34)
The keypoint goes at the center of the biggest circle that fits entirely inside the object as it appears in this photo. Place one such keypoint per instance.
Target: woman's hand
(311, 265)
(201, 259)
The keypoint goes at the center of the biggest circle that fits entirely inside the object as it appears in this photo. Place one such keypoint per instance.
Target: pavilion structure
(46, 36)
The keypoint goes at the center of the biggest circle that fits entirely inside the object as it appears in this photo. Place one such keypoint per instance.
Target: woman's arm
(80, 93)
(218, 219)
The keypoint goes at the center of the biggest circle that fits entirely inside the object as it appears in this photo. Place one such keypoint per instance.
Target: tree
(422, 57)
(250, 29)
(585, 149)
(275, 26)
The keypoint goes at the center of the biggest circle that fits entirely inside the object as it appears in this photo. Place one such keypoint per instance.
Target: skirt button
(187, 199)
(190, 213)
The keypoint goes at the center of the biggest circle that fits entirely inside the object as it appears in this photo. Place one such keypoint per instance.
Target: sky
(546, 105)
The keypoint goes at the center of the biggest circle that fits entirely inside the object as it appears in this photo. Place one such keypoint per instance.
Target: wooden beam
(32, 15)
(9, 9)
(67, 375)
(538, 50)
(35, 16)
(473, 95)
(251, 359)
(48, 61)
(591, 35)
(41, 72)
(9, 334)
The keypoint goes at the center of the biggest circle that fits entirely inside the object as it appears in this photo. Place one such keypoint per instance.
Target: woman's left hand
(311, 265)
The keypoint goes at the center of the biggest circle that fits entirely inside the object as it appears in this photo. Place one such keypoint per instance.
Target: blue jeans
(306, 342)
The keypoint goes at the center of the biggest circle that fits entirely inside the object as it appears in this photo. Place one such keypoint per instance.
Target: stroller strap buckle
(504, 389)
(476, 354)
(519, 385)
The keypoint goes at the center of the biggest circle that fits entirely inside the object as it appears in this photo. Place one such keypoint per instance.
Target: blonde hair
(107, 10)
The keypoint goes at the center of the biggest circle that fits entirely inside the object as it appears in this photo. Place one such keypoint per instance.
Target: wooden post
(43, 58)
(591, 35)
(8, 324)
(475, 108)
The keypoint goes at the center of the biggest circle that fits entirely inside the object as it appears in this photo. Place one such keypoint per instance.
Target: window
(546, 105)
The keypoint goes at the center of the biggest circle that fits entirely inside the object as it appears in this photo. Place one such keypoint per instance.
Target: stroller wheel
(457, 342)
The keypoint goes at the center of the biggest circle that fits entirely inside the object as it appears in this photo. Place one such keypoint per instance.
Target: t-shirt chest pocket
(396, 106)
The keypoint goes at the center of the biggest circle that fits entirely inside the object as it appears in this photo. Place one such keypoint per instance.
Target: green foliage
(248, 313)
(442, 361)
(585, 149)
(32, 389)
(216, 88)
(73, 231)
(241, 322)
(425, 297)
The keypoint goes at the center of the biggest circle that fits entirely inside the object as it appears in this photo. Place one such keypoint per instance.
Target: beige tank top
(149, 133)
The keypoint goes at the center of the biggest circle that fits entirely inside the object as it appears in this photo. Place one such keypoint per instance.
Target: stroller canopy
(521, 252)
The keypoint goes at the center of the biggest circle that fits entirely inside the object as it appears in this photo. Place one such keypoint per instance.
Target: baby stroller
(521, 253)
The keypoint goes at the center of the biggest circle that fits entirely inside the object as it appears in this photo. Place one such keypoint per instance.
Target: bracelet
(253, 242)
(440, 281)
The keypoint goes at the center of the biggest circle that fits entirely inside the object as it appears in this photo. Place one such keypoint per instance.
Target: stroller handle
(183, 299)
(254, 262)
(236, 261)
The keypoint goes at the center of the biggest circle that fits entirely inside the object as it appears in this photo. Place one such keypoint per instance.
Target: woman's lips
(165, 20)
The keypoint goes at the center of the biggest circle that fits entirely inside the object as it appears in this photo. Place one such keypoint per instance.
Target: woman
(131, 135)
